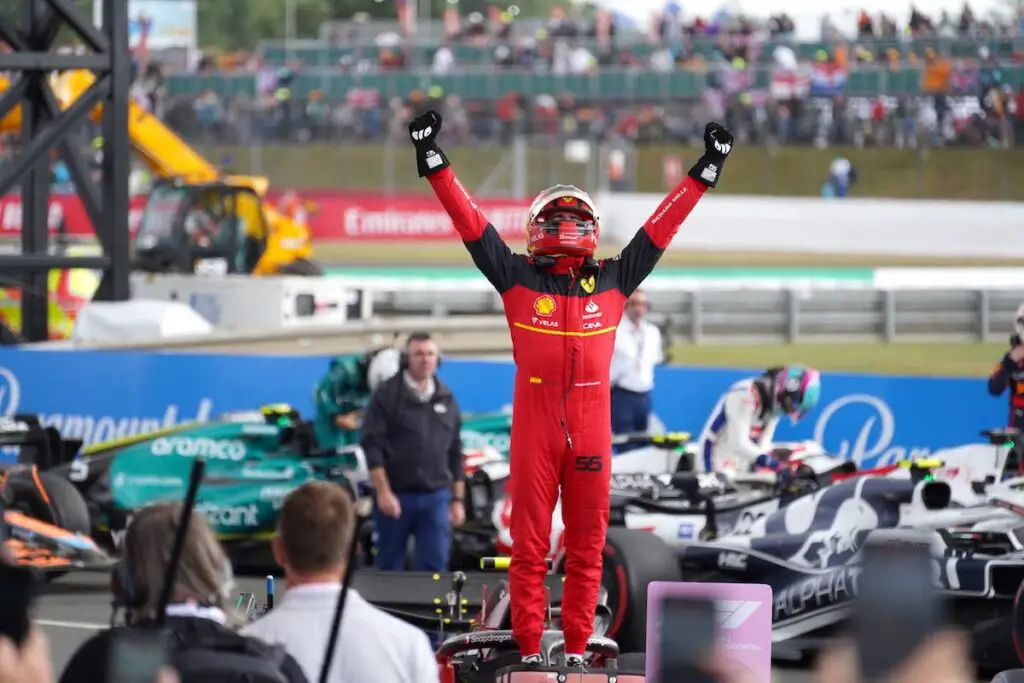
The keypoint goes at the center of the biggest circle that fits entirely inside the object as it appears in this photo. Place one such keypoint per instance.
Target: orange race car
(45, 519)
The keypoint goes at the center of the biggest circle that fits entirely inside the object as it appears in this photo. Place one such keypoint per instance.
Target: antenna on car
(346, 581)
(195, 479)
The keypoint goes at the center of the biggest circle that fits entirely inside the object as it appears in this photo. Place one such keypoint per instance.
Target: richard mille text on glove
(423, 131)
(717, 145)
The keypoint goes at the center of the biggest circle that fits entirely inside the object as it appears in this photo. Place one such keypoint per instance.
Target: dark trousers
(424, 518)
(631, 412)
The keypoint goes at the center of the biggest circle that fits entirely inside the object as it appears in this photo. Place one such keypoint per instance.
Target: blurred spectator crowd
(930, 81)
(926, 82)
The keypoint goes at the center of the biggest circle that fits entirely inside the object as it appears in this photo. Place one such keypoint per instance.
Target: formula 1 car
(631, 561)
(652, 490)
(809, 553)
(254, 459)
(45, 520)
(469, 611)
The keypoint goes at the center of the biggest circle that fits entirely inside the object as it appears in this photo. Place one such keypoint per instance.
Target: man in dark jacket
(410, 435)
(1009, 374)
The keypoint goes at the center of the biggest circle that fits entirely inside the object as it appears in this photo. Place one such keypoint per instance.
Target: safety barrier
(703, 315)
(467, 321)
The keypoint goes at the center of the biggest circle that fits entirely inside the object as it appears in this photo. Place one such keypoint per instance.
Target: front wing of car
(31, 542)
(423, 597)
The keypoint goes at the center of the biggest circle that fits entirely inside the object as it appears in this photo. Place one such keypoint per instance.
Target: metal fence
(742, 316)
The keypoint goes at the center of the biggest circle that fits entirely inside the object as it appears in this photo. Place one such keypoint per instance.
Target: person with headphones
(200, 623)
(341, 395)
(414, 452)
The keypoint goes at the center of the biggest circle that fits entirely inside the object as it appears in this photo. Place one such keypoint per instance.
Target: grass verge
(925, 360)
(992, 174)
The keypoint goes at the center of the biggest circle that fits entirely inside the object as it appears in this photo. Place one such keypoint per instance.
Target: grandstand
(867, 80)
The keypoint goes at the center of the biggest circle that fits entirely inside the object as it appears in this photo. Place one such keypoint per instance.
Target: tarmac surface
(75, 606)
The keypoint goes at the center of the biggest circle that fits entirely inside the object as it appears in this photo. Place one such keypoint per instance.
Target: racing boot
(574, 662)
(532, 660)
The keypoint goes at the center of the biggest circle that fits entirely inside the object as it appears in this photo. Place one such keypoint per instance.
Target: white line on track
(80, 625)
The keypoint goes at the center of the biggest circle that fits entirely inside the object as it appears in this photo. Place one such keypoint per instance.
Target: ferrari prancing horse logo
(588, 284)
(544, 306)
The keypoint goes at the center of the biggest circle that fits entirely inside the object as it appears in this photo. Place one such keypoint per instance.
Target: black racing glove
(717, 146)
(423, 131)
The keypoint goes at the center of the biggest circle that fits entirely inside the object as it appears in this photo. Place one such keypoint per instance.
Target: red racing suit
(563, 325)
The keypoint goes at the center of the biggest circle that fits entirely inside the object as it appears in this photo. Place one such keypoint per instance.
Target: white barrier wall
(851, 226)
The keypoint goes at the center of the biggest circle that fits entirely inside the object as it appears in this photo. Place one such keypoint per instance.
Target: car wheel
(632, 560)
(1017, 633)
(67, 508)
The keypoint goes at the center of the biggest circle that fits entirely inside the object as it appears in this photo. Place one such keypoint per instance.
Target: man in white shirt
(315, 527)
(637, 350)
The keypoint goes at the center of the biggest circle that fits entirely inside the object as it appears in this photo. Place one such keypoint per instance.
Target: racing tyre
(67, 507)
(635, 664)
(632, 560)
(301, 267)
(1017, 633)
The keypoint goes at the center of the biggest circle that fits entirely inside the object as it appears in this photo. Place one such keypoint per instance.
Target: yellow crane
(196, 218)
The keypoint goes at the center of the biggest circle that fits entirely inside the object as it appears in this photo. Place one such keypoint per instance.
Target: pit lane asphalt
(73, 607)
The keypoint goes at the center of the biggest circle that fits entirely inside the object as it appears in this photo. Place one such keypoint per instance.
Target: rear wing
(38, 445)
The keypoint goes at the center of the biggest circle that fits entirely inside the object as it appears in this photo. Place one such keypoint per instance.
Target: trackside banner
(334, 216)
(64, 209)
(372, 217)
(102, 395)
(729, 222)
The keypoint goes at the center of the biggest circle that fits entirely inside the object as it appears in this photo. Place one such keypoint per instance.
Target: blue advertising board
(101, 395)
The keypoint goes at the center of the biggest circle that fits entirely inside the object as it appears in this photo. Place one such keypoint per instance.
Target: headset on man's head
(403, 358)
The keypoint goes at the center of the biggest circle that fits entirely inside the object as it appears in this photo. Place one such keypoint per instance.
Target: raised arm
(645, 249)
(1000, 377)
(490, 253)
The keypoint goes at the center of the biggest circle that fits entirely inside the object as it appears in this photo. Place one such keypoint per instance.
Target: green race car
(253, 459)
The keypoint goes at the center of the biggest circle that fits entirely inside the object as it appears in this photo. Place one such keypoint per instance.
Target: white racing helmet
(385, 365)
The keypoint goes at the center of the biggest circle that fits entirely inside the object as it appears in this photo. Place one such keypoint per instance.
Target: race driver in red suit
(562, 306)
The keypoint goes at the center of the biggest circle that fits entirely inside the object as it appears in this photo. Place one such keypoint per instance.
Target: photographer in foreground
(314, 530)
(199, 625)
